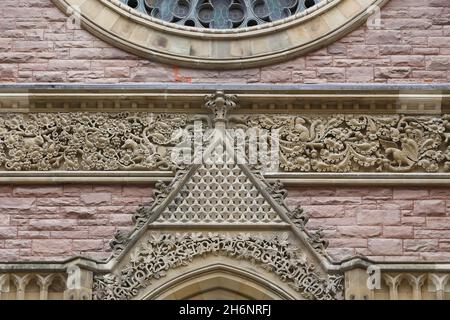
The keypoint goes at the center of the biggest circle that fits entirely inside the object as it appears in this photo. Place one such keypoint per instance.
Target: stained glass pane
(220, 14)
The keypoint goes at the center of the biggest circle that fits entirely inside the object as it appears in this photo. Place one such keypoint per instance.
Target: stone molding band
(291, 179)
(253, 98)
(347, 143)
(143, 141)
(429, 276)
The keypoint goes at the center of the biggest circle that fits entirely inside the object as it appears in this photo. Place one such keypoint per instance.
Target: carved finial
(277, 191)
(317, 241)
(120, 241)
(299, 217)
(219, 103)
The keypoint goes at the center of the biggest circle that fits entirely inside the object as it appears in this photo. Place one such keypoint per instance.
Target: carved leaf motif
(142, 141)
(167, 251)
(87, 141)
(358, 143)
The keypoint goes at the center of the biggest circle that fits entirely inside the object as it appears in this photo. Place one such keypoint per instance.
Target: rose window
(220, 34)
(220, 14)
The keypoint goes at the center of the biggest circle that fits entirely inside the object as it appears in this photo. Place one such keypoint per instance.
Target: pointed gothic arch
(207, 278)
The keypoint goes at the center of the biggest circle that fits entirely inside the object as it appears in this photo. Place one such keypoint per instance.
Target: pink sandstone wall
(382, 223)
(56, 222)
(413, 46)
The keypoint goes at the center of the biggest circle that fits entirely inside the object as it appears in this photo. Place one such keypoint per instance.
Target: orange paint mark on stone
(179, 78)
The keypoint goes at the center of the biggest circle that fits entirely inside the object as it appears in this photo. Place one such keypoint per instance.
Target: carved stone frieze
(87, 141)
(358, 143)
(127, 141)
(159, 253)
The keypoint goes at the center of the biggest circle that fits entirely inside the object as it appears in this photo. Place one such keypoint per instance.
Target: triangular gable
(214, 196)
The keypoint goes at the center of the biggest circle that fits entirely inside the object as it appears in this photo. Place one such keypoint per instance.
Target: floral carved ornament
(143, 141)
(159, 253)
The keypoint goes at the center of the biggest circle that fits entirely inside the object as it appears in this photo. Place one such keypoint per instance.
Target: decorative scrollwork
(160, 253)
(143, 141)
(87, 141)
(358, 143)
(220, 14)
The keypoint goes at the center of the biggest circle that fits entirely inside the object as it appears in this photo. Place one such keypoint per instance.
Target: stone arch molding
(138, 33)
(220, 209)
(163, 252)
(218, 273)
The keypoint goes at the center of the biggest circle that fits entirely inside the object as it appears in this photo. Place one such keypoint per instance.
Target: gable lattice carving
(159, 253)
(219, 193)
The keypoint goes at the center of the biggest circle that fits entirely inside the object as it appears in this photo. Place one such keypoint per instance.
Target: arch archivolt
(205, 276)
(159, 258)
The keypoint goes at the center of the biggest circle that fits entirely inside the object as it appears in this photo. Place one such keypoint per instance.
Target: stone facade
(412, 47)
(55, 222)
(365, 167)
(395, 223)
(384, 224)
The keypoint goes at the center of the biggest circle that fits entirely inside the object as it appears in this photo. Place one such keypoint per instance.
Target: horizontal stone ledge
(290, 179)
(239, 87)
(222, 226)
(346, 265)
(291, 98)
(392, 266)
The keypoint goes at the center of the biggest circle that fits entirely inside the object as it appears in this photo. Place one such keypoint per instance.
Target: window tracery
(220, 14)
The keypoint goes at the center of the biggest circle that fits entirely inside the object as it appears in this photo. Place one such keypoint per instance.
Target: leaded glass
(220, 14)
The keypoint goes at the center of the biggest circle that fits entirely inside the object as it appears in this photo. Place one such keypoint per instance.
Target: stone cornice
(253, 98)
(289, 179)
